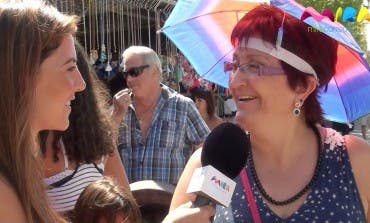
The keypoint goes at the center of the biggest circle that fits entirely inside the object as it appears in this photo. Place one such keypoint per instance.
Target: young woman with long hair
(38, 80)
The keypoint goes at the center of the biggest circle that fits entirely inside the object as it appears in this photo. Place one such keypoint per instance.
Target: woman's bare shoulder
(11, 209)
(359, 154)
(358, 150)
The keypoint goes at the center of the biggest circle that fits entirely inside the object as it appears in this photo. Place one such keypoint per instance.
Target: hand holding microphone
(224, 155)
(185, 214)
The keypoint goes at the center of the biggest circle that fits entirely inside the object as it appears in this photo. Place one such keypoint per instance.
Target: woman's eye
(254, 64)
(254, 67)
(71, 68)
(243, 68)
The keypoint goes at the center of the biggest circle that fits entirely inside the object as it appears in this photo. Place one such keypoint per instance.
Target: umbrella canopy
(347, 96)
(202, 29)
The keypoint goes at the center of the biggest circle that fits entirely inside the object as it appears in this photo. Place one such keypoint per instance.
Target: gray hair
(149, 56)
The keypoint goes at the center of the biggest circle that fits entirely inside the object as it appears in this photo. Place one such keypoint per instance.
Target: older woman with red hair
(297, 171)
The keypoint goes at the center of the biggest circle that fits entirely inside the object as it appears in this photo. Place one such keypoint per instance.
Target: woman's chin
(239, 119)
(62, 126)
(243, 119)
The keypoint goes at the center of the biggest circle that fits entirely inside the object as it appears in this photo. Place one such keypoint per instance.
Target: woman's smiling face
(57, 82)
(258, 95)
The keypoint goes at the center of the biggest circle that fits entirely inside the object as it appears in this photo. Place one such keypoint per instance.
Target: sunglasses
(134, 71)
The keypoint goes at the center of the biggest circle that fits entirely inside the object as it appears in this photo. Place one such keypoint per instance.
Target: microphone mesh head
(226, 149)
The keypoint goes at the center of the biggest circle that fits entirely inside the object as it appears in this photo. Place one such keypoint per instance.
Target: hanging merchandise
(139, 25)
(97, 27)
(103, 55)
(177, 68)
(123, 40)
(114, 28)
(84, 22)
(128, 19)
(72, 7)
(148, 23)
(94, 32)
(108, 27)
(91, 58)
(157, 27)
(108, 67)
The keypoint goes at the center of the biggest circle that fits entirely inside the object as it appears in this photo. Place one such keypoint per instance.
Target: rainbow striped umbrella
(201, 30)
(347, 96)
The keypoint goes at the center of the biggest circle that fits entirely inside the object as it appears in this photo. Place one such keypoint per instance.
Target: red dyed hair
(316, 48)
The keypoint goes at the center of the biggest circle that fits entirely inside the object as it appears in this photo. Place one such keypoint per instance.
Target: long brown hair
(30, 32)
(89, 136)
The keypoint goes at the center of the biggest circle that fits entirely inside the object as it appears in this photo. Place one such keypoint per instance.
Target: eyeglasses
(134, 71)
(252, 69)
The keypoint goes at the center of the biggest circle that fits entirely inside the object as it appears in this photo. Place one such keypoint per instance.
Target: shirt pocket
(167, 134)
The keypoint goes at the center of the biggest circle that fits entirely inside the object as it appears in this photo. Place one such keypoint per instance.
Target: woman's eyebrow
(72, 59)
(256, 56)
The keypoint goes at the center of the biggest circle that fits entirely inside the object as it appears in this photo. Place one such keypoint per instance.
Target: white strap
(279, 53)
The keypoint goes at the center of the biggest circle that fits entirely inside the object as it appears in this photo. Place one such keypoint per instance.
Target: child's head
(104, 201)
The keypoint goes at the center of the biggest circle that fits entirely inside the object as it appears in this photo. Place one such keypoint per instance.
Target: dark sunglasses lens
(133, 72)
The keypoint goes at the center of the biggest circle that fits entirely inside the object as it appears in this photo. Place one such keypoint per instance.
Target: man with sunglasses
(160, 127)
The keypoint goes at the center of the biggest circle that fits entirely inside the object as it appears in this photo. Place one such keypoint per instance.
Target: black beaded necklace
(300, 193)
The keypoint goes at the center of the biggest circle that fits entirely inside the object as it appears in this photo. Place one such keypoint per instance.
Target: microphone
(224, 155)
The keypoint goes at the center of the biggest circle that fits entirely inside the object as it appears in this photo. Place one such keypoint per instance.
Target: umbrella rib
(341, 97)
(216, 63)
(336, 83)
(197, 16)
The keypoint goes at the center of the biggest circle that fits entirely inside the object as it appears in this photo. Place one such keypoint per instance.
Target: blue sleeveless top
(333, 197)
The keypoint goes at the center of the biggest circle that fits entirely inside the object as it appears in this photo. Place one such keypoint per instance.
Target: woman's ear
(303, 91)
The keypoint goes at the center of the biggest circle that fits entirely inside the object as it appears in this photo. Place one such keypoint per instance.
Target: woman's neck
(271, 141)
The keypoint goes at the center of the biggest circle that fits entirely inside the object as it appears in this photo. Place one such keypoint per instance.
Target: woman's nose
(234, 80)
(79, 82)
(237, 80)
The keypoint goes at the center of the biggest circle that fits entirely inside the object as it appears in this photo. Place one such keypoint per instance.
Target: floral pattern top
(334, 196)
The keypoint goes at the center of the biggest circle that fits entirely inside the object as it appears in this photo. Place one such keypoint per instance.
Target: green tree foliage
(357, 29)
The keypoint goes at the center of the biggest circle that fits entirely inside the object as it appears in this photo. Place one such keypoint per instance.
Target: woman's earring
(297, 108)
